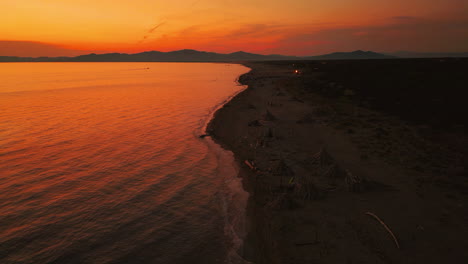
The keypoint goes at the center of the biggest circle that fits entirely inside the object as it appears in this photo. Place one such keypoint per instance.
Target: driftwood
(250, 165)
(386, 228)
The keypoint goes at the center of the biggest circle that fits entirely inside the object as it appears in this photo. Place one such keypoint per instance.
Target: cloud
(256, 32)
(417, 34)
(402, 33)
(411, 34)
(156, 27)
(150, 31)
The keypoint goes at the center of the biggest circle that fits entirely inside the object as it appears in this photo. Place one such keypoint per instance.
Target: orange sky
(300, 27)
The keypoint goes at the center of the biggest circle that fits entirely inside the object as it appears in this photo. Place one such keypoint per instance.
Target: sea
(103, 163)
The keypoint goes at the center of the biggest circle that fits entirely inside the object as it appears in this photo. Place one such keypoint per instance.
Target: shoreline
(280, 130)
(234, 193)
(249, 250)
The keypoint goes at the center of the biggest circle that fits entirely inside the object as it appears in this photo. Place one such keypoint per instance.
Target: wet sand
(327, 177)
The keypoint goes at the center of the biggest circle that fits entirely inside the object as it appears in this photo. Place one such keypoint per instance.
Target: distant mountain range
(355, 55)
(202, 56)
(185, 55)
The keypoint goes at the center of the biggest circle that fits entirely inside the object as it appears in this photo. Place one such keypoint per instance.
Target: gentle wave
(101, 163)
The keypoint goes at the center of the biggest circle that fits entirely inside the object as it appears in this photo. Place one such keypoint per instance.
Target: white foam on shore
(233, 198)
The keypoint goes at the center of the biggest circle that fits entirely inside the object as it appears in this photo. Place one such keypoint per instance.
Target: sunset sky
(300, 27)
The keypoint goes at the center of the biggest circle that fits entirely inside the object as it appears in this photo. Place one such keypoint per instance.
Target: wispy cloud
(151, 31)
(393, 33)
(408, 34)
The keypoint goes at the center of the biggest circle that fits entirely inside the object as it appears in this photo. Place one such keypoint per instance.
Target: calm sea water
(101, 163)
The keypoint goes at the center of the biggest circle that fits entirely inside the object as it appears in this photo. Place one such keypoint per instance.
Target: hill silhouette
(185, 55)
(189, 55)
(355, 55)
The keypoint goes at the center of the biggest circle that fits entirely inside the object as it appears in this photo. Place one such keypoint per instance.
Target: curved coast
(317, 173)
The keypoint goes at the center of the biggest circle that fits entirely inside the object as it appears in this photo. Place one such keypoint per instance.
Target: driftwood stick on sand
(386, 227)
(251, 166)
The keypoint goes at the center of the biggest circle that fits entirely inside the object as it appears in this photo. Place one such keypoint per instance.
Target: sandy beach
(335, 181)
